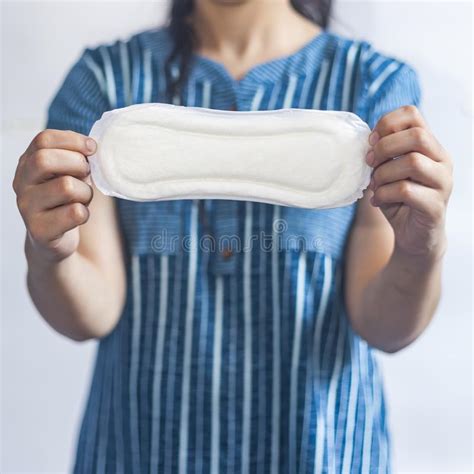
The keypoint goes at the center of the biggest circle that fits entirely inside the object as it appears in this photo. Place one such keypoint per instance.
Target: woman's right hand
(53, 189)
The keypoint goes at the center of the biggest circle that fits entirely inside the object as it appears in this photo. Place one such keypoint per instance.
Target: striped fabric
(234, 353)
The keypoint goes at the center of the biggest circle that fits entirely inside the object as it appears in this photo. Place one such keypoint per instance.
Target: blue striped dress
(234, 353)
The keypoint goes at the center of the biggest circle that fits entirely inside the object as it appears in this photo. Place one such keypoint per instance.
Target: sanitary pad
(292, 157)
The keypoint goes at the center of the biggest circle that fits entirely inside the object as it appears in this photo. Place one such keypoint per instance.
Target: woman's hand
(411, 181)
(53, 190)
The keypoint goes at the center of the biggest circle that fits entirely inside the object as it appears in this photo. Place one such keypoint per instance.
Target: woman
(234, 359)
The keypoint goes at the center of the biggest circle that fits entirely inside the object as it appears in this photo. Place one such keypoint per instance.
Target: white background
(45, 377)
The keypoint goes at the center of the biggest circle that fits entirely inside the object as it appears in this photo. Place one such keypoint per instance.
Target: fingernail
(374, 138)
(370, 158)
(90, 144)
(372, 201)
(371, 184)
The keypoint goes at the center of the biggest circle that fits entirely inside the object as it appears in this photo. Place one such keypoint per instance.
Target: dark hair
(184, 39)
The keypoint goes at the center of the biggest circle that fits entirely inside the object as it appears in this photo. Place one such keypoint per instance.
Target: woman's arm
(76, 274)
(394, 255)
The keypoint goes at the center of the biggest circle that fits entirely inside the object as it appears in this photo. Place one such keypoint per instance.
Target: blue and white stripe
(246, 362)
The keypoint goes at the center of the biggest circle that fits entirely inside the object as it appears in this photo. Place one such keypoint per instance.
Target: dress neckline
(266, 70)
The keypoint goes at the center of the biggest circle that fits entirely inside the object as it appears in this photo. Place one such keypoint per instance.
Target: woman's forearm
(399, 302)
(72, 295)
(411, 182)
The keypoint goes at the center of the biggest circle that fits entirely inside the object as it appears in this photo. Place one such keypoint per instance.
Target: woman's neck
(243, 34)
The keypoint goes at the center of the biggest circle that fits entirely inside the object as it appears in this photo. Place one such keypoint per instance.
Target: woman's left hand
(411, 181)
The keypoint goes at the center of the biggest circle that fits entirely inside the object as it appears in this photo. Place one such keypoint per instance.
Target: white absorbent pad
(292, 157)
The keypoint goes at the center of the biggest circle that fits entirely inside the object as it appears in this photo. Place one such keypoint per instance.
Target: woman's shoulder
(369, 59)
(375, 81)
(154, 41)
(106, 76)
(376, 69)
(124, 71)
